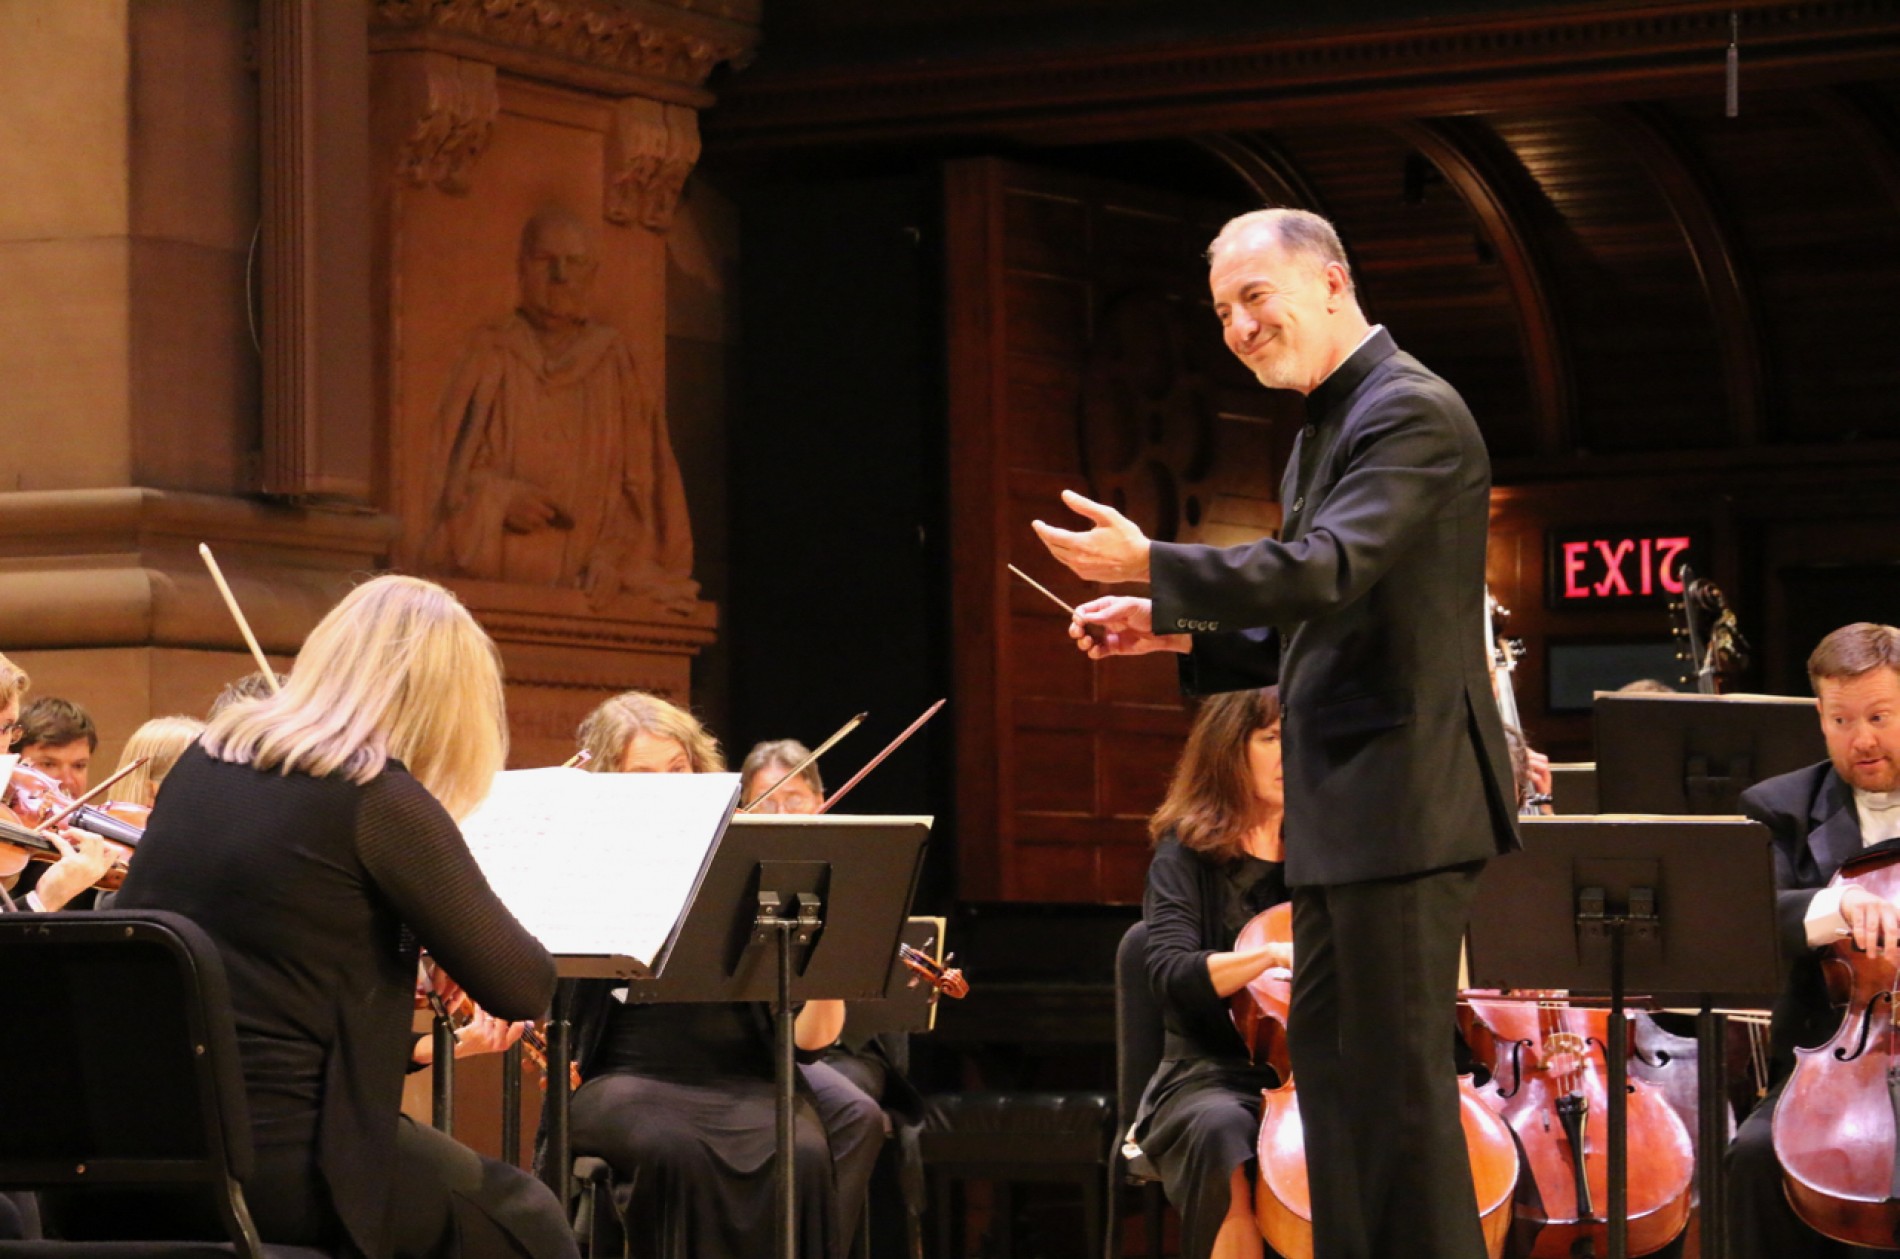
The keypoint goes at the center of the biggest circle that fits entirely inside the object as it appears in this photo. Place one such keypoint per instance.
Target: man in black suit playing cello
(1818, 818)
(1368, 611)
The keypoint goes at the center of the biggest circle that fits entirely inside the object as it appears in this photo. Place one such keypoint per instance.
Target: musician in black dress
(312, 835)
(680, 1099)
(1217, 863)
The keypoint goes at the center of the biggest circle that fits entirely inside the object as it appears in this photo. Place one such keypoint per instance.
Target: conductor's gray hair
(1300, 233)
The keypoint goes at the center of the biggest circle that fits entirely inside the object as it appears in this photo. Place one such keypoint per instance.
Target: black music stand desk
(1679, 909)
(787, 909)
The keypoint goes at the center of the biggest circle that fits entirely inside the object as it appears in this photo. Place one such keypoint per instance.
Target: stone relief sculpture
(561, 473)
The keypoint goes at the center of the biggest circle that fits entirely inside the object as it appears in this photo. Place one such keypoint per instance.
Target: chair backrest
(123, 1058)
(1139, 1034)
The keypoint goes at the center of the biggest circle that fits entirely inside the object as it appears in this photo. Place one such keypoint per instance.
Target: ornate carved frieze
(454, 118)
(575, 41)
(650, 152)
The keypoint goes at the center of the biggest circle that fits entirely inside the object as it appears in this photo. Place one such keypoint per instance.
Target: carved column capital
(650, 152)
(659, 48)
(455, 109)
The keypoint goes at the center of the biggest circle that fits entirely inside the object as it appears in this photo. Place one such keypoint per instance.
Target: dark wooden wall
(1663, 318)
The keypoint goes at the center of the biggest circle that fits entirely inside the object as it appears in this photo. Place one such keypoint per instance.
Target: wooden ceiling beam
(1497, 207)
(1667, 160)
(1258, 80)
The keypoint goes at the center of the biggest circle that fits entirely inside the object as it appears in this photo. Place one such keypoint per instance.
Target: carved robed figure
(561, 473)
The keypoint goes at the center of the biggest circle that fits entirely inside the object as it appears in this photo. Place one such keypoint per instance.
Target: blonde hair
(13, 681)
(605, 732)
(161, 741)
(398, 669)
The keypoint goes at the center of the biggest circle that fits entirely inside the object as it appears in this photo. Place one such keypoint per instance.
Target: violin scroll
(946, 979)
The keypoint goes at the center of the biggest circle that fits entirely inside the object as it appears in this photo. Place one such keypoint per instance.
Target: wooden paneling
(1083, 356)
(1818, 228)
(1427, 268)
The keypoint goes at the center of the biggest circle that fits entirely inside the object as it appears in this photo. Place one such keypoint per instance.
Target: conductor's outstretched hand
(1120, 625)
(1114, 550)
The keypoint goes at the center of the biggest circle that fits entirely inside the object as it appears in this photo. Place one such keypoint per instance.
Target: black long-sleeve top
(1195, 906)
(306, 885)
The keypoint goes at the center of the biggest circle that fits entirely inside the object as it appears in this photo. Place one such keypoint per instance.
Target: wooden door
(1084, 354)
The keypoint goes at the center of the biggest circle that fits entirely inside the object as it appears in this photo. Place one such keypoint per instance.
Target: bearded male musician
(1369, 612)
(1819, 817)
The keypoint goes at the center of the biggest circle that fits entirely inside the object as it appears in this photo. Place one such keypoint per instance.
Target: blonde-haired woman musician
(679, 1098)
(161, 741)
(305, 832)
(639, 733)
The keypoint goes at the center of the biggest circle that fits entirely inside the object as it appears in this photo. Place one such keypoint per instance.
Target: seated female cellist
(679, 1099)
(1217, 863)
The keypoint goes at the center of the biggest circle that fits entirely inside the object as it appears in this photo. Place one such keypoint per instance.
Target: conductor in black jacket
(1367, 610)
(1819, 818)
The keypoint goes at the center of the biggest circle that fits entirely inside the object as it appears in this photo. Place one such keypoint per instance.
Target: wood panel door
(1083, 353)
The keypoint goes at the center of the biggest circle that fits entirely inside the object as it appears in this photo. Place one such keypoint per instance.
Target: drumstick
(237, 614)
(1090, 628)
(799, 768)
(877, 760)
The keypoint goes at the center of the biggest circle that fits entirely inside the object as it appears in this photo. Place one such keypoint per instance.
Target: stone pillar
(131, 348)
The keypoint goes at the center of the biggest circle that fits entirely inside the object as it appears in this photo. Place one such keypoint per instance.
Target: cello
(1549, 1077)
(1282, 1195)
(1835, 1126)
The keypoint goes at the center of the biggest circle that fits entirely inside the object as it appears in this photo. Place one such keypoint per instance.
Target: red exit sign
(1603, 566)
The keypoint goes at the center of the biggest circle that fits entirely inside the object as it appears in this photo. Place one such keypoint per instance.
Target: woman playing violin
(1217, 863)
(680, 1098)
(312, 835)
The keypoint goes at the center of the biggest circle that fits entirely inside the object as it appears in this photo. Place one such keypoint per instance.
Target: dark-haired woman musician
(1217, 863)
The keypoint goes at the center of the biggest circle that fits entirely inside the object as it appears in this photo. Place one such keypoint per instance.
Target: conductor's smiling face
(648, 753)
(1860, 718)
(1273, 307)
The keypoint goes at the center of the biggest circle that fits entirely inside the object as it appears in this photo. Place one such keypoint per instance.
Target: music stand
(1695, 754)
(787, 909)
(1683, 909)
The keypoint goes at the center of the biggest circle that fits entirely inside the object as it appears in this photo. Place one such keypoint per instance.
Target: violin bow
(800, 768)
(89, 797)
(877, 760)
(237, 614)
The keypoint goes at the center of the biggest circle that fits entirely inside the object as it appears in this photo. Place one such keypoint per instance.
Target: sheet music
(599, 864)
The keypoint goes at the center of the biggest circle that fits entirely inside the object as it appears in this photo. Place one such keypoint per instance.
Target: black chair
(1007, 1138)
(1139, 1037)
(123, 1059)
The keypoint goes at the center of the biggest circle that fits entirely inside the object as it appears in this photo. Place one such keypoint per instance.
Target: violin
(1834, 1127)
(924, 968)
(451, 1002)
(20, 843)
(36, 798)
(1549, 1080)
(1283, 1204)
